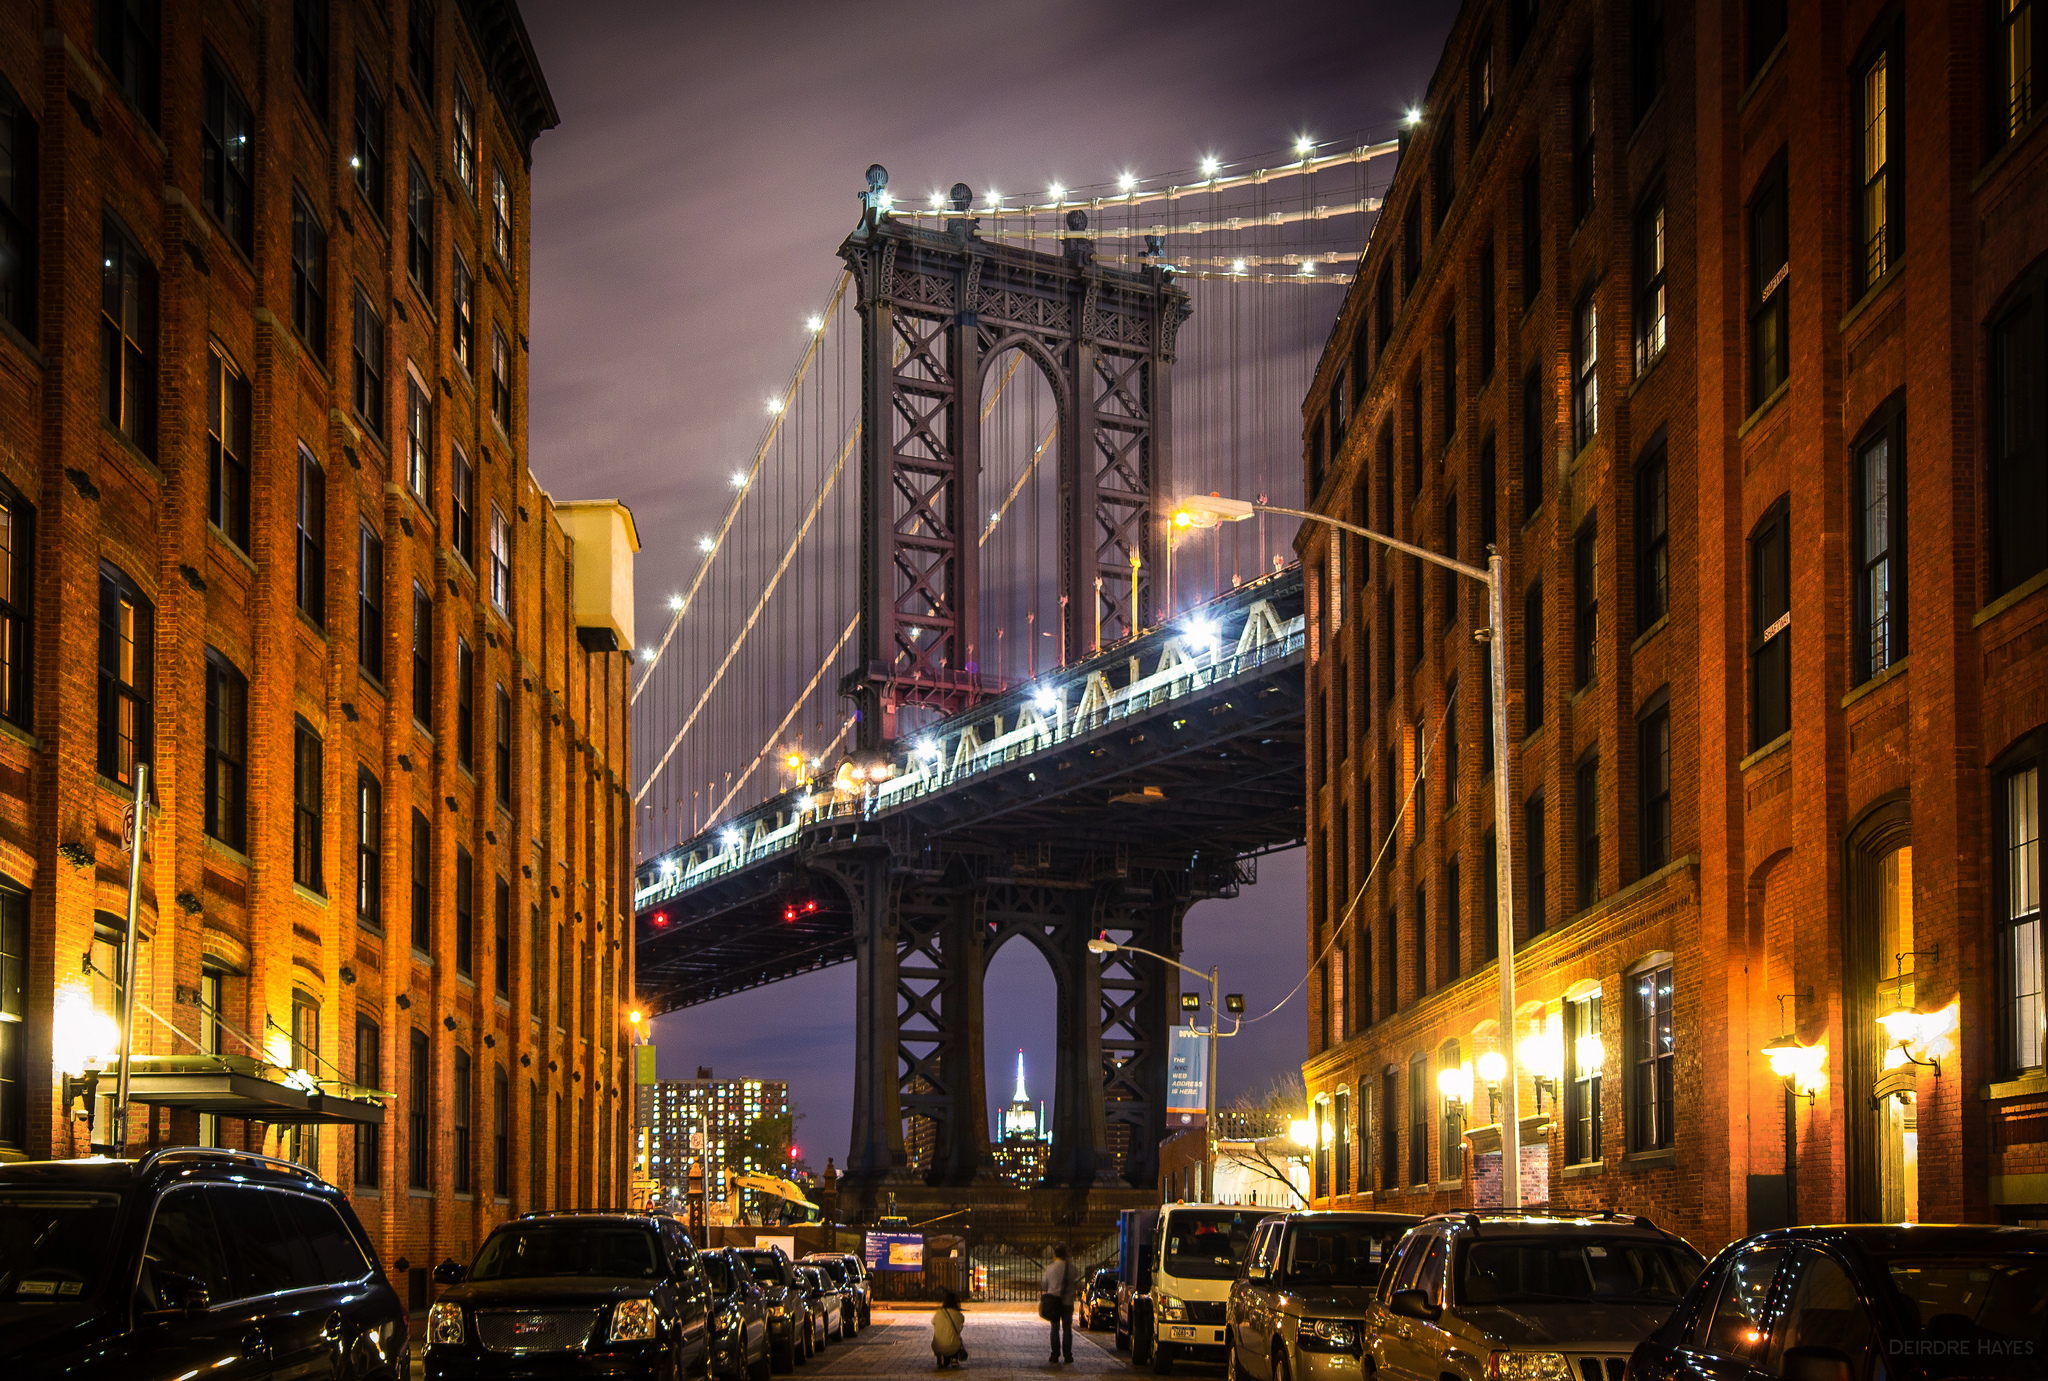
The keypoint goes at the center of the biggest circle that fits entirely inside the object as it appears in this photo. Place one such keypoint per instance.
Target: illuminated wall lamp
(1542, 1055)
(1802, 1067)
(1492, 1069)
(1301, 1132)
(1921, 1038)
(1455, 1084)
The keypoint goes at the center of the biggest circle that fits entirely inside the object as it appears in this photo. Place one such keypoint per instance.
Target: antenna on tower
(1020, 1075)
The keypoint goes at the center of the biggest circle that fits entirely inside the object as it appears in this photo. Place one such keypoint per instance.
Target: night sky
(685, 217)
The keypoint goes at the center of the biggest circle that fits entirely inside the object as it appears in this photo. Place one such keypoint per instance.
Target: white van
(1178, 1262)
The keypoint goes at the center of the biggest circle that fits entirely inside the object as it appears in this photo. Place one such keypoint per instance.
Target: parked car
(835, 1274)
(1098, 1301)
(739, 1321)
(621, 1293)
(189, 1261)
(773, 1271)
(825, 1304)
(1523, 1297)
(854, 1273)
(1903, 1302)
(1305, 1291)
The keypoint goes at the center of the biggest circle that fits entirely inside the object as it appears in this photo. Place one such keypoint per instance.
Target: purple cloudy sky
(685, 216)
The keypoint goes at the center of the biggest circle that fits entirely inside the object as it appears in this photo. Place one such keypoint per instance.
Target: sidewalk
(1003, 1341)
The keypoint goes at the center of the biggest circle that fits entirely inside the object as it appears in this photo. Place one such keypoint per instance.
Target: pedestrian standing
(1056, 1304)
(947, 1321)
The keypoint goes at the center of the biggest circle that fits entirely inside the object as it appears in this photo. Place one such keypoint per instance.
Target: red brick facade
(1815, 730)
(130, 130)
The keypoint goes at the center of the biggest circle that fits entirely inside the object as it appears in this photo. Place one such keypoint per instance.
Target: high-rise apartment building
(673, 1112)
(1724, 324)
(270, 531)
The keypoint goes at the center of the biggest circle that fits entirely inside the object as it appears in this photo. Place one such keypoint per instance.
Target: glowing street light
(705, 544)
(1211, 164)
(1126, 181)
(1304, 146)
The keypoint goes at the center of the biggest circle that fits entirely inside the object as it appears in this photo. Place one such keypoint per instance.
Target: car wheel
(1162, 1359)
(782, 1354)
(1123, 1339)
(1231, 1370)
(757, 1371)
(1280, 1368)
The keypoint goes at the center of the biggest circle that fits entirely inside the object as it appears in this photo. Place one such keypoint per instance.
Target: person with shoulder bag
(1056, 1305)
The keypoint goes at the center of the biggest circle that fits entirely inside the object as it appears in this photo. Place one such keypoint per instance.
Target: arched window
(1879, 957)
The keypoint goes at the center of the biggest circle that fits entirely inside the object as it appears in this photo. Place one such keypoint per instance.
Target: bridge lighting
(775, 407)
(739, 477)
(1210, 165)
(705, 544)
(1413, 117)
(803, 802)
(675, 602)
(730, 839)
(938, 201)
(668, 868)
(660, 919)
(814, 323)
(995, 198)
(1308, 266)
(648, 654)
(1202, 633)
(634, 1016)
(1057, 191)
(1304, 146)
(928, 750)
(995, 515)
(1237, 266)
(1045, 700)
(1126, 181)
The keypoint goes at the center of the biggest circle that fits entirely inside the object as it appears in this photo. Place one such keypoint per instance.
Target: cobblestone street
(1002, 1341)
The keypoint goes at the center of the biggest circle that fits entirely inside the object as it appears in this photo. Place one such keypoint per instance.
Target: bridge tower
(936, 308)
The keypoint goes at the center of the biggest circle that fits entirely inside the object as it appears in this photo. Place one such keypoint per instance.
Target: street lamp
(1207, 510)
(1804, 1070)
(1233, 1003)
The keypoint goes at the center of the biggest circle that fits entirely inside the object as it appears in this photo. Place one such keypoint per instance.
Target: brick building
(270, 530)
(1741, 368)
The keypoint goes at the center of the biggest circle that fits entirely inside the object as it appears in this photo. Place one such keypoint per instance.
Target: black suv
(191, 1261)
(783, 1298)
(579, 1294)
(854, 1276)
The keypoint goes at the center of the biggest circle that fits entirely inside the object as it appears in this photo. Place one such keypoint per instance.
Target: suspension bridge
(943, 677)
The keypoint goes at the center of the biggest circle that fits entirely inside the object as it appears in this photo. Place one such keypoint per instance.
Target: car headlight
(444, 1324)
(633, 1320)
(1337, 1335)
(1528, 1366)
(1170, 1307)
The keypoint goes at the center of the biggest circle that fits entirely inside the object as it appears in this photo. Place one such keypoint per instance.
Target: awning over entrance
(231, 1086)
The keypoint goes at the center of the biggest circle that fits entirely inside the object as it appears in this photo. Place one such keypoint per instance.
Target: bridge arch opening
(1020, 1045)
(1020, 633)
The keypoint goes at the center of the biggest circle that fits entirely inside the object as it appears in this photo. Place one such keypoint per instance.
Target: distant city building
(1022, 1141)
(722, 1109)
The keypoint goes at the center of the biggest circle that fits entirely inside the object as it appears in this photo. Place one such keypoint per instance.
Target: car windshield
(1975, 1315)
(1206, 1244)
(765, 1269)
(530, 1250)
(1339, 1253)
(53, 1245)
(833, 1275)
(1575, 1270)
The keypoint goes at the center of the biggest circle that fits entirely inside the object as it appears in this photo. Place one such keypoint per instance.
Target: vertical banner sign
(643, 1064)
(1187, 1072)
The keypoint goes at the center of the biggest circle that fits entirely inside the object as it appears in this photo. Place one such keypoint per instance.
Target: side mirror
(1257, 1273)
(181, 1293)
(1413, 1304)
(1815, 1364)
(448, 1273)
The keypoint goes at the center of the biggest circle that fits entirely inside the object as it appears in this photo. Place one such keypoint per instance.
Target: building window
(1874, 213)
(501, 215)
(1652, 1109)
(501, 1135)
(1411, 247)
(1383, 311)
(465, 913)
(502, 757)
(227, 752)
(1582, 146)
(459, 1109)
(422, 884)
(465, 138)
(306, 818)
(465, 709)
(1448, 749)
(1587, 817)
(1646, 54)
(1584, 1055)
(1418, 1119)
(1653, 539)
(1650, 298)
(128, 37)
(1585, 372)
(227, 438)
(370, 603)
(501, 562)
(309, 51)
(369, 1074)
(1489, 501)
(17, 582)
(501, 936)
(1770, 627)
(501, 381)
(367, 160)
(1489, 886)
(2018, 382)
(1532, 660)
(2016, 43)
(1453, 913)
(419, 46)
(1487, 326)
(1653, 769)
(1532, 231)
(127, 337)
(1449, 350)
(422, 655)
(127, 675)
(305, 1057)
(1770, 358)
(462, 330)
(1340, 1152)
(20, 213)
(1445, 172)
(1421, 920)
(419, 1113)
(1532, 845)
(1880, 542)
(309, 277)
(2023, 1023)
(369, 850)
(1586, 613)
(536, 976)
(1535, 441)
(367, 350)
(226, 155)
(419, 230)
(1479, 88)
(462, 491)
(419, 440)
(312, 543)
